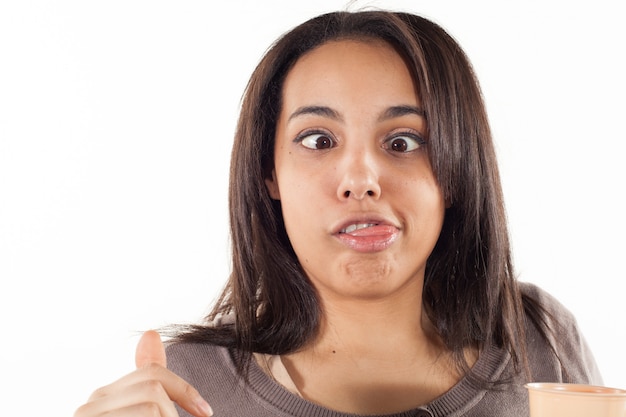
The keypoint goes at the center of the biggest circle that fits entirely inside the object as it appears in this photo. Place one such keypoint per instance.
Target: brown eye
(398, 145)
(317, 141)
(404, 143)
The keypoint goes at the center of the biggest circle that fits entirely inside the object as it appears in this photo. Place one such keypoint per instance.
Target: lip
(381, 233)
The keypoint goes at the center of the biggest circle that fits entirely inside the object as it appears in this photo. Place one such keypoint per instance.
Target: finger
(150, 350)
(176, 388)
(180, 391)
(135, 410)
(151, 362)
(146, 398)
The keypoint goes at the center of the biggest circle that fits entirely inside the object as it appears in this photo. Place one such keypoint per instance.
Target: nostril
(349, 193)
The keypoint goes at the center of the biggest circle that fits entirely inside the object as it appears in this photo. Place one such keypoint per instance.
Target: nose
(359, 178)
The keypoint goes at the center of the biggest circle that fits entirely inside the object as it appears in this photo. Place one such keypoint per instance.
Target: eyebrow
(316, 111)
(390, 113)
(399, 111)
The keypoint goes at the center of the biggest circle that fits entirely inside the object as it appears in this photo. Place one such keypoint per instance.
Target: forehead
(362, 69)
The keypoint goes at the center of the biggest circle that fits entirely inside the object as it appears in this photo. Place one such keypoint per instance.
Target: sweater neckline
(461, 397)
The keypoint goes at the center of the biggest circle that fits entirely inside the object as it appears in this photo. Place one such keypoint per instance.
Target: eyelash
(418, 139)
(410, 135)
(308, 133)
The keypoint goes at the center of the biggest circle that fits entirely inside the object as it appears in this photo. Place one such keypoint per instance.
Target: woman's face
(361, 206)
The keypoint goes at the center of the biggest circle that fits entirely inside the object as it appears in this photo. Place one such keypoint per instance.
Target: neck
(372, 326)
(372, 356)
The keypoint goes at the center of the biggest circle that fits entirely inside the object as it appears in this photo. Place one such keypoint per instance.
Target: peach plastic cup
(575, 400)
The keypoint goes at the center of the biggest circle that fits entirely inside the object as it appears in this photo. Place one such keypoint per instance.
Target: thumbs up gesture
(150, 351)
(150, 390)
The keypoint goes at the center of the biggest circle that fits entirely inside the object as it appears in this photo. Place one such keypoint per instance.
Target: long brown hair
(470, 291)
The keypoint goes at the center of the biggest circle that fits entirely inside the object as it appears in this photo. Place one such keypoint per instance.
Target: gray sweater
(211, 370)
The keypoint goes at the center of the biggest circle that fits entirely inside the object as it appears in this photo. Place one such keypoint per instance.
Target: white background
(116, 119)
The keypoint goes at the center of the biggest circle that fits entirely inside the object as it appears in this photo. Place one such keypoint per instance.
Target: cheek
(304, 181)
(426, 203)
(304, 202)
(294, 201)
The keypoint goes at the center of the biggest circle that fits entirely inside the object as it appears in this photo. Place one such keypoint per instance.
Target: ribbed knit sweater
(211, 370)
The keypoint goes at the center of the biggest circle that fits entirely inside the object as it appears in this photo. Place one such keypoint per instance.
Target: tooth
(350, 228)
(354, 227)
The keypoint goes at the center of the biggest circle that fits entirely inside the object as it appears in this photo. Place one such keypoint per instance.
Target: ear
(272, 186)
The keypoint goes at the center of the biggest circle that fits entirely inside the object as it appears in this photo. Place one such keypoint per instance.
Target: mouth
(368, 235)
(358, 226)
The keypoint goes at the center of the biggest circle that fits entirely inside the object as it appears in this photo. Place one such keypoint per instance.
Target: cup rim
(575, 389)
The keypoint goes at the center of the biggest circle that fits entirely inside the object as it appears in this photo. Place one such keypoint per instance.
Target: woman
(371, 263)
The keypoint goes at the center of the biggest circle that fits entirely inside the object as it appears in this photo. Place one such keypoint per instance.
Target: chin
(370, 282)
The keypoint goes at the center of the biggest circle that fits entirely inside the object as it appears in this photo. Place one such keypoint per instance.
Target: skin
(357, 176)
(350, 150)
(148, 391)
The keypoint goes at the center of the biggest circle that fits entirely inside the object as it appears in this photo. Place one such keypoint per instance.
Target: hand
(148, 391)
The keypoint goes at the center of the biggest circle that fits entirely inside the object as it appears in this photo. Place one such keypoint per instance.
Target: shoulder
(557, 349)
(201, 349)
(195, 361)
(547, 300)
(190, 352)
(212, 370)
(547, 308)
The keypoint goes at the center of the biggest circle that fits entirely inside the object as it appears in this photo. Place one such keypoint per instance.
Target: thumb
(150, 350)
